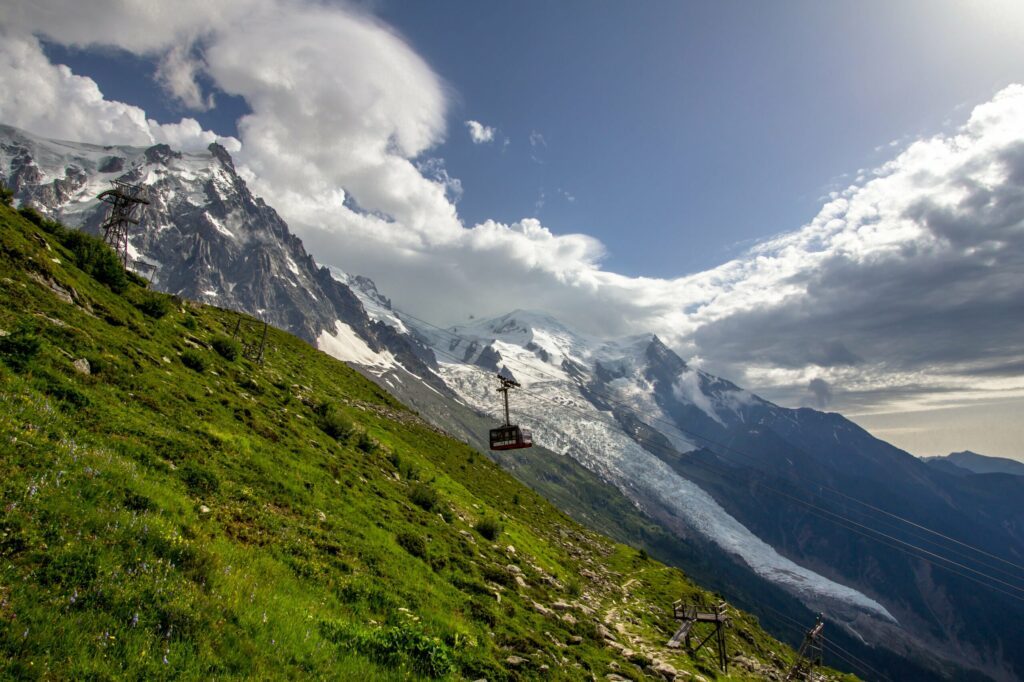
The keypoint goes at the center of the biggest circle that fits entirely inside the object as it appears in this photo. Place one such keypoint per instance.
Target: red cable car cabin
(509, 436)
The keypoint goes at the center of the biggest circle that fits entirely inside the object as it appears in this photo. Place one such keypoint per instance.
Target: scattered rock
(320, 515)
(603, 632)
(520, 582)
(615, 678)
(666, 670)
(510, 549)
(514, 570)
(542, 610)
(568, 618)
(561, 606)
(623, 650)
(203, 509)
(81, 366)
(575, 639)
(515, 661)
(60, 292)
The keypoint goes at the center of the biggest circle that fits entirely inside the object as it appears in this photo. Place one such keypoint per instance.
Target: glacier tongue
(565, 421)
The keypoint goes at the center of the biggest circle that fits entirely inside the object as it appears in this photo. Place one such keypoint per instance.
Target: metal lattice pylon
(689, 615)
(124, 200)
(810, 653)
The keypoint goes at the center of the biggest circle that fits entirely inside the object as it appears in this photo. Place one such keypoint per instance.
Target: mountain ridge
(973, 463)
(639, 375)
(173, 508)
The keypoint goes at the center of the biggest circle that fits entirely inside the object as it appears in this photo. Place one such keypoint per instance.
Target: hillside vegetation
(173, 509)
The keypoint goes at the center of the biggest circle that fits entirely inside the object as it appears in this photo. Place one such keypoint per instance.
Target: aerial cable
(815, 510)
(835, 518)
(917, 525)
(685, 432)
(846, 656)
(824, 514)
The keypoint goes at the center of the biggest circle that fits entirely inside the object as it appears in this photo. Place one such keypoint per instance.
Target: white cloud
(905, 284)
(50, 100)
(177, 73)
(480, 133)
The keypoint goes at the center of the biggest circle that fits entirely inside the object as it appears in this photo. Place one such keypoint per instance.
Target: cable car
(509, 436)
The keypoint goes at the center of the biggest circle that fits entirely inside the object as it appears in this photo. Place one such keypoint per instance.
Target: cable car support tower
(124, 200)
(810, 653)
(690, 615)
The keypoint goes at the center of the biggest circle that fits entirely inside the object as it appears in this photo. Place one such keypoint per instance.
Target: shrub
(483, 612)
(193, 360)
(423, 496)
(19, 347)
(394, 647)
(413, 544)
(499, 575)
(489, 528)
(6, 195)
(331, 421)
(199, 480)
(366, 443)
(95, 258)
(153, 305)
(227, 348)
(30, 214)
(66, 393)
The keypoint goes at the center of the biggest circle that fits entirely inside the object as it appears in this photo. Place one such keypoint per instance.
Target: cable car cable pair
(521, 441)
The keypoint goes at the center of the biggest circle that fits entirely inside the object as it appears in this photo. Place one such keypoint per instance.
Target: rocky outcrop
(203, 236)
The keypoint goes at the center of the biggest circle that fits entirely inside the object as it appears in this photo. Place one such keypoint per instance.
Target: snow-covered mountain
(569, 383)
(692, 452)
(205, 237)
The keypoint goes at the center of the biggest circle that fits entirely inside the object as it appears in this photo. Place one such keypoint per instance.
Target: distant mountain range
(966, 462)
(771, 506)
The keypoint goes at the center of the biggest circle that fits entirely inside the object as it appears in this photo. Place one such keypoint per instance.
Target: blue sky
(681, 131)
(818, 200)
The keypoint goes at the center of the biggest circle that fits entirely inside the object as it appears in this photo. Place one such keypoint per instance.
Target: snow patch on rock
(347, 346)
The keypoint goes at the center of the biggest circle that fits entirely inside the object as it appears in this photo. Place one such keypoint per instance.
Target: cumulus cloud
(906, 284)
(177, 72)
(50, 100)
(480, 133)
(914, 275)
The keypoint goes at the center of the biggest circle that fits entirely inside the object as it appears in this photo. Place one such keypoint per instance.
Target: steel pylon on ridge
(810, 654)
(124, 199)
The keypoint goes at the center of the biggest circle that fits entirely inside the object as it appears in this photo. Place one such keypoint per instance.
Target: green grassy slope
(170, 510)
